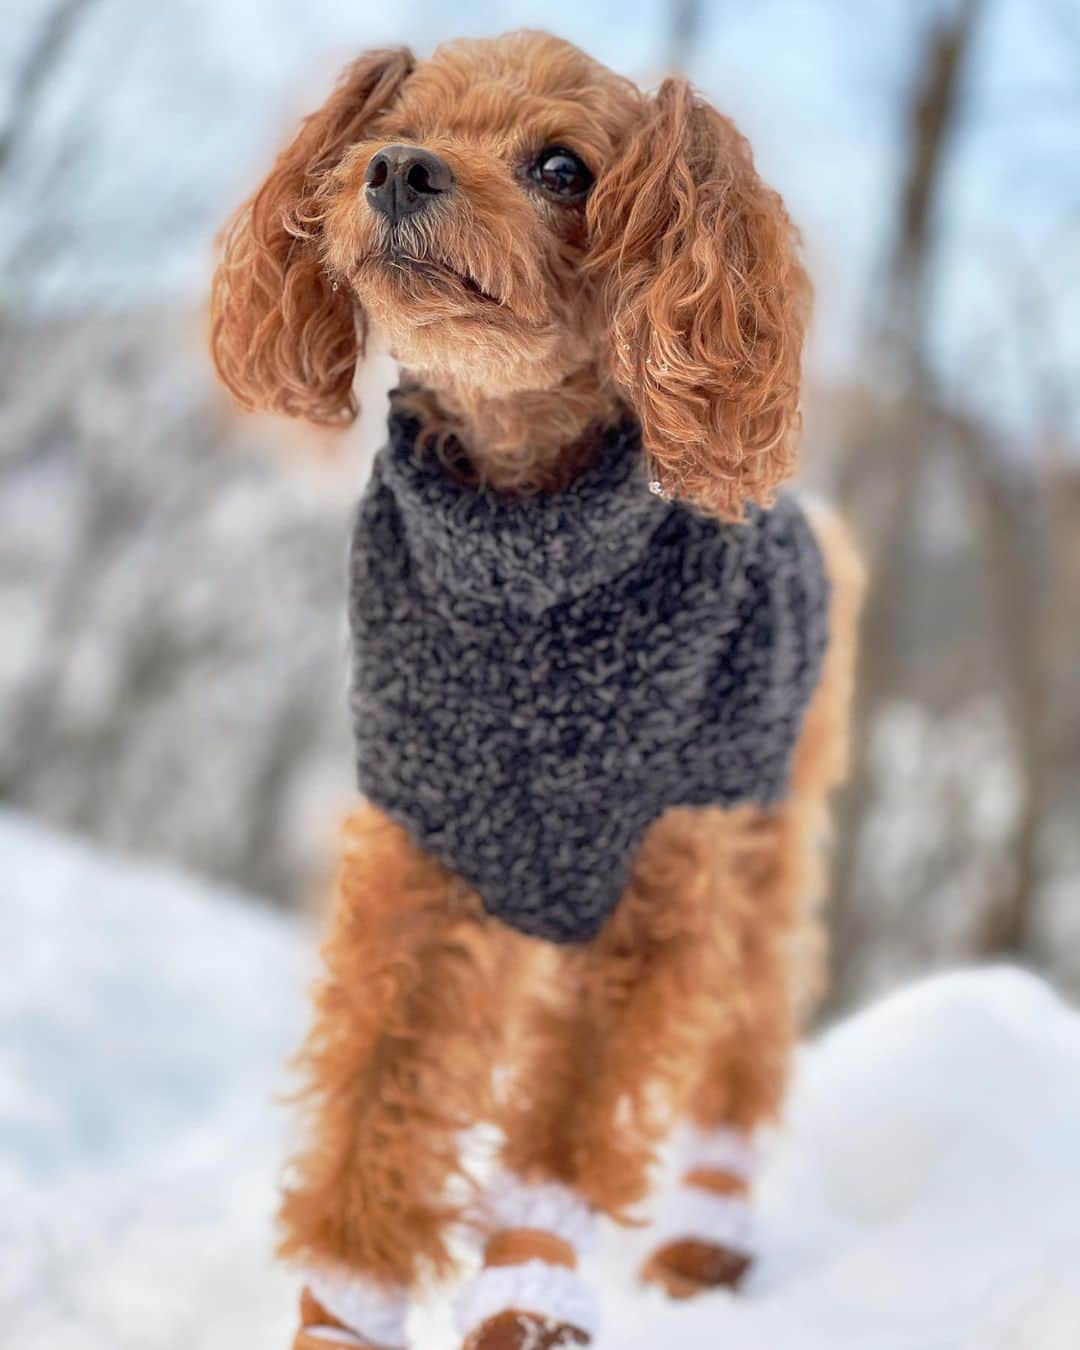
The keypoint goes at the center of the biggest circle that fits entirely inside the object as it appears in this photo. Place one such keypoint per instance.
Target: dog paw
(703, 1232)
(513, 1330)
(531, 1306)
(691, 1266)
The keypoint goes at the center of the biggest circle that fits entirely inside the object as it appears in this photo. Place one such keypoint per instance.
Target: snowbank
(146, 1021)
(925, 1193)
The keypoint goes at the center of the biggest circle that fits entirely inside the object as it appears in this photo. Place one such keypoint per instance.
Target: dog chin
(437, 327)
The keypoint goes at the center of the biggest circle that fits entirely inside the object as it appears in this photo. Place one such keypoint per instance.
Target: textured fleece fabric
(537, 678)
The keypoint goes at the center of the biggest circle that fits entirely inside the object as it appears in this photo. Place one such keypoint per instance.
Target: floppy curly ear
(282, 337)
(706, 302)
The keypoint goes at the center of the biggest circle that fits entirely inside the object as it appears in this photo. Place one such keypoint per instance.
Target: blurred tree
(909, 451)
(172, 673)
(33, 74)
(685, 25)
(883, 468)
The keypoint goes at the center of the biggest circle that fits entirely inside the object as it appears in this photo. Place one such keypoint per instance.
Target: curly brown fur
(399, 1060)
(523, 325)
(283, 336)
(677, 289)
(706, 301)
(615, 1035)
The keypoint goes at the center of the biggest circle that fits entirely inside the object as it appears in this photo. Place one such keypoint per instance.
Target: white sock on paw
(373, 1312)
(723, 1149)
(550, 1292)
(691, 1212)
(547, 1206)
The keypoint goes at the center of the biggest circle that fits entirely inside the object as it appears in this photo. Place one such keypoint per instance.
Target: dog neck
(528, 441)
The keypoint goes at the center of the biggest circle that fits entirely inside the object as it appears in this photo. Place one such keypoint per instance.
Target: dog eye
(560, 173)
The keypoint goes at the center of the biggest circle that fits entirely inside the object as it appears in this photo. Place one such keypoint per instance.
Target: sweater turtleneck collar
(528, 551)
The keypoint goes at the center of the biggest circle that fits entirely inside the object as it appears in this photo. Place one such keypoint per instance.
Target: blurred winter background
(171, 651)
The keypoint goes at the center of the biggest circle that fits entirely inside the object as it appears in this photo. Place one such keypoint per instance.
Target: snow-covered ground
(145, 1024)
(924, 1195)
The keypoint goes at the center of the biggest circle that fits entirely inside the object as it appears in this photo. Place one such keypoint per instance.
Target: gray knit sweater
(537, 678)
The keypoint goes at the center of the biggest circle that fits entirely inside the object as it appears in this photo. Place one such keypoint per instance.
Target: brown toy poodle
(601, 677)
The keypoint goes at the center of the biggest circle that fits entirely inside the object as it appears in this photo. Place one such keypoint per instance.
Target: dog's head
(506, 213)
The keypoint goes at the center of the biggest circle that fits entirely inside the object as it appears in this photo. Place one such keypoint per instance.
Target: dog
(601, 684)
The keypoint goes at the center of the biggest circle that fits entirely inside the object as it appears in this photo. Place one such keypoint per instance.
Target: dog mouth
(438, 273)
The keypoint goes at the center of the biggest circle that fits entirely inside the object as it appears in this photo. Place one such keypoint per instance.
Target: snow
(924, 1193)
(146, 1023)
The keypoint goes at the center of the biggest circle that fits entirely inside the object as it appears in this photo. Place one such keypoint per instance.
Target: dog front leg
(610, 1045)
(397, 1063)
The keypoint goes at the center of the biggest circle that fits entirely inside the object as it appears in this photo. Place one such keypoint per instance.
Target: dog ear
(706, 303)
(283, 337)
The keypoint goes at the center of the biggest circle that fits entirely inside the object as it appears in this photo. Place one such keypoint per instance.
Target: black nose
(403, 179)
